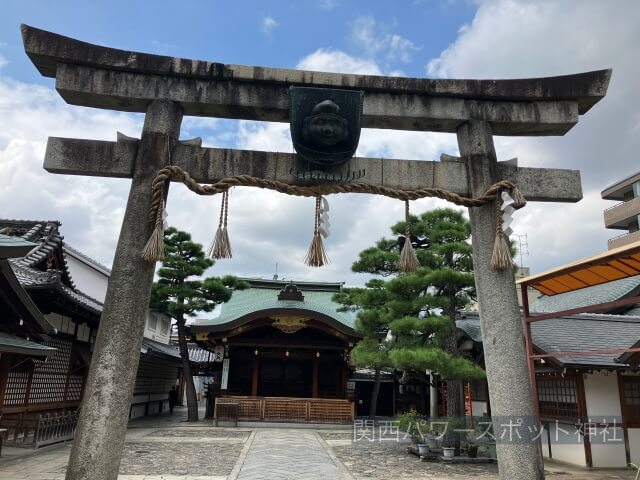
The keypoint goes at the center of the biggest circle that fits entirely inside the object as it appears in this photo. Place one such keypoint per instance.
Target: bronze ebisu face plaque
(325, 123)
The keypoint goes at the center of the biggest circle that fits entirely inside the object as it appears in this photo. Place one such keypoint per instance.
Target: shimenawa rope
(154, 250)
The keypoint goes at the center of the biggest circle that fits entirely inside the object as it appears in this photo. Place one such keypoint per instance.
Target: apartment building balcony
(620, 215)
(624, 239)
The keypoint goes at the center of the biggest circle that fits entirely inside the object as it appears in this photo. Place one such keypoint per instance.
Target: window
(164, 326)
(632, 393)
(153, 321)
(631, 399)
(558, 398)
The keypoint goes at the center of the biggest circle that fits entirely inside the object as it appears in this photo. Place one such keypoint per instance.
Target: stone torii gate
(167, 88)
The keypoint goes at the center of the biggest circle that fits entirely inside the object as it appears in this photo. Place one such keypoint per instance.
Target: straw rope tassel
(316, 255)
(154, 249)
(501, 258)
(220, 246)
(226, 244)
(518, 199)
(408, 257)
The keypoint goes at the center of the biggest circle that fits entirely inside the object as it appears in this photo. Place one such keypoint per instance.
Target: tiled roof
(635, 310)
(244, 302)
(626, 357)
(12, 247)
(584, 332)
(154, 346)
(196, 354)
(34, 324)
(12, 344)
(31, 278)
(471, 326)
(32, 269)
(199, 355)
(606, 292)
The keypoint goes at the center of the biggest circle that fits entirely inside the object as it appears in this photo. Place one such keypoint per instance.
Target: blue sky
(270, 33)
(421, 38)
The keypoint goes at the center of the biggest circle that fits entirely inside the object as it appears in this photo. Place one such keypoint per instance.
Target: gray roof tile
(584, 332)
(159, 347)
(606, 292)
(29, 269)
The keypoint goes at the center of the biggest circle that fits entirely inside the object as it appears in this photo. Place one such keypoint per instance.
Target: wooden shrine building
(283, 352)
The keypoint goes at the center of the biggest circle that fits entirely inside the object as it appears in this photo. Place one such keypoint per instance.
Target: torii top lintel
(96, 76)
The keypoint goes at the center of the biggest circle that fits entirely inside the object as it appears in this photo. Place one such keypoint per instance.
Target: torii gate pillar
(500, 319)
(97, 446)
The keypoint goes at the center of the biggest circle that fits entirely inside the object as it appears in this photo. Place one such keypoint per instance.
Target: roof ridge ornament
(291, 292)
(289, 324)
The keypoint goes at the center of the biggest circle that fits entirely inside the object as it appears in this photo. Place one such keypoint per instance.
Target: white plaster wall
(572, 453)
(603, 403)
(601, 392)
(479, 408)
(609, 455)
(634, 444)
(61, 323)
(87, 279)
(157, 327)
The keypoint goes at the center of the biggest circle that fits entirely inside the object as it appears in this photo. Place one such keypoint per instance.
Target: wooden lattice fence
(316, 410)
(40, 430)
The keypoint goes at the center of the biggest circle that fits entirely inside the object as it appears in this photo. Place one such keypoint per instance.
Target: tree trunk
(374, 394)
(192, 401)
(454, 399)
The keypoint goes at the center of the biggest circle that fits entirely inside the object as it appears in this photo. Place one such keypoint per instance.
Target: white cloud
(328, 60)
(268, 24)
(517, 38)
(372, 38)
(90, 209)
(268, 227)
(3, 61)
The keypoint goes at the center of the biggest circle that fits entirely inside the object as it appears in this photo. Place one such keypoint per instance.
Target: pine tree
(372, 351)
(180, 296)
(422, 305)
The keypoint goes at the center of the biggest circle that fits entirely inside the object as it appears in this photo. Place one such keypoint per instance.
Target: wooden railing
(315, 410)
(39, 430)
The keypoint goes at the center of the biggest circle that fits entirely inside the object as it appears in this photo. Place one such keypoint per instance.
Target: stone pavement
(289, 454)
(166, 447)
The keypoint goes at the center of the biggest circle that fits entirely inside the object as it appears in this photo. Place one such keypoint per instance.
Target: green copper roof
(265, 297)
(13, 247)
(12, 344)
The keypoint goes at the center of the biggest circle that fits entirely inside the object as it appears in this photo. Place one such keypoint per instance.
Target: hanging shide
(316, 256)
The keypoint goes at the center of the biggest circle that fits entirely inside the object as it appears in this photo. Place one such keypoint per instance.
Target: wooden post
(254, 378)
(4, 377)
(314, 382)
(103, 419)
(500, 320)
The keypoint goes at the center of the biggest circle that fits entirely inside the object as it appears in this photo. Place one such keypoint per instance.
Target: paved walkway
(166, 447)
(289, 454)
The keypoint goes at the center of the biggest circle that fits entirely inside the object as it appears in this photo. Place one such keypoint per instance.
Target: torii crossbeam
(166, 88)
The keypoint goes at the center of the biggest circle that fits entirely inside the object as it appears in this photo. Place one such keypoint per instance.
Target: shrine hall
(282, 352)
